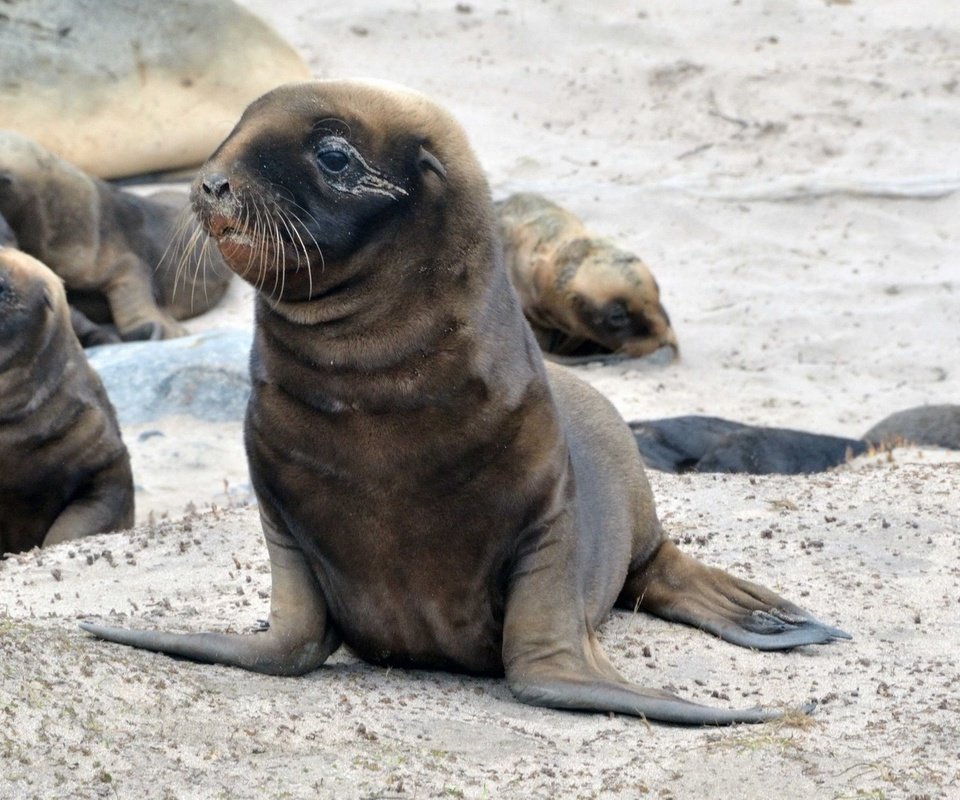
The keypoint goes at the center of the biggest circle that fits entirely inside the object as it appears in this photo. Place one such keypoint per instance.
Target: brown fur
(138, 254)
(431, 493)
(582, 295)
(64, 471)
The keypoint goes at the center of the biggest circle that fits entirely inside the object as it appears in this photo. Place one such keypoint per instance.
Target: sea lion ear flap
(428, 161)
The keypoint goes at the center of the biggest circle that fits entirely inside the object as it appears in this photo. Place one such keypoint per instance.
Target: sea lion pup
(583, 296)
(133, 251)
(935, 426)
(431, 493)
(64, 470)
(712, 444)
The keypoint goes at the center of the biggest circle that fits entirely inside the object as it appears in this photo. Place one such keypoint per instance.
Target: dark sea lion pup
(125, 259)
(431, 494)
(64, 471)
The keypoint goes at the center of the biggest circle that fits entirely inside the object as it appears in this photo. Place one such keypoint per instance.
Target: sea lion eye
(333, 160)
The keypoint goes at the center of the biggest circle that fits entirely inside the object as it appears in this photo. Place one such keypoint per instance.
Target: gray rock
(205, 375)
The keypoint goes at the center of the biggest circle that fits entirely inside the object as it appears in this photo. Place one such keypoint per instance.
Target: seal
(142, 255)
(933, 426)
(711, 444)
(119, 92)
(64, 470)
(584, 297)
(431, 493)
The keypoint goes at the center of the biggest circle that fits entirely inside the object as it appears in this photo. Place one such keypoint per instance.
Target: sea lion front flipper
(299, 637)
(677, 587)
(133, 306)
(88, 332)
(105, 505)
(552, 657)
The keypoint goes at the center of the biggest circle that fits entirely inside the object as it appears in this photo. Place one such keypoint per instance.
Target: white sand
(788, 170)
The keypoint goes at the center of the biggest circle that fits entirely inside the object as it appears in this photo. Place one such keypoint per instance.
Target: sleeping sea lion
(583, 296)
(139, 254)
(431, 493)
(64, 470)
(125, 88)
(710, 444)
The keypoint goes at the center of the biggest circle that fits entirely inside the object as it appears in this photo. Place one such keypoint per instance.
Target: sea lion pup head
(318, 177)
(613, 298)
(30, 296)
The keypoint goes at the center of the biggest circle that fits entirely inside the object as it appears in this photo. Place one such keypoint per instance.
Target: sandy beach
(790, 173)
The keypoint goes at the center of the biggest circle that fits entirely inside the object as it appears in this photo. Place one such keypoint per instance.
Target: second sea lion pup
(585, 298)
(431, 493)
(64, 471)
(106, 243)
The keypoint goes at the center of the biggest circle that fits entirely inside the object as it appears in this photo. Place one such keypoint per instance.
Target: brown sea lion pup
(64, 471)
(431, 493)
(134, 252)
(583, 296)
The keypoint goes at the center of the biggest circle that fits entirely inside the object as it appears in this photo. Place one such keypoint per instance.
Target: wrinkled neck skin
(33, 367)
(384, 333)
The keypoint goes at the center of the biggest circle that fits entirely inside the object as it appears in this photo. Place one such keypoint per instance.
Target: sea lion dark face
(431, 493)
(615, 301)
(302, 183)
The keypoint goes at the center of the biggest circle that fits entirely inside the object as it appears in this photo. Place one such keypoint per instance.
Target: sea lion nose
(215, 185)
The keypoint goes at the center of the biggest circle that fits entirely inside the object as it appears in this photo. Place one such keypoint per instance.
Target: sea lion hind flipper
(677, 587)
(297, 639)
(587, 693)
(552, 657)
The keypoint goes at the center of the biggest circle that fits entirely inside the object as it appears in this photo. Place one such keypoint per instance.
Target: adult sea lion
(140, 254)
(431, 493)
(583, 296)
(64, 470)
(124, 88)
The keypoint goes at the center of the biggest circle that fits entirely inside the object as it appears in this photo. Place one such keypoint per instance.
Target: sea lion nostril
(216, 185)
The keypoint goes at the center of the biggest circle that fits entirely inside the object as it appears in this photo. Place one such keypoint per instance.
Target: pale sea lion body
(583, 296)
(432, 494)
(64, 470)
(125, 88)
(136, 253)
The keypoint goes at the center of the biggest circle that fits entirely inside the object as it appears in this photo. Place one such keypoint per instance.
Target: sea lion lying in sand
(139, 254)
(64, 471)
(711, 444)
(431, 493)
(120, 88)
(583, 296)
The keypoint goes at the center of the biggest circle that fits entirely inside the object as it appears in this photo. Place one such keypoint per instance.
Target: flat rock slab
(205, 375)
